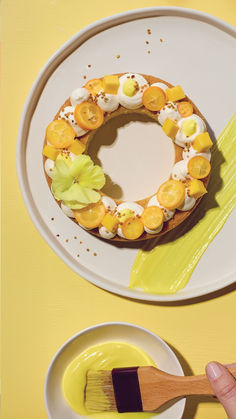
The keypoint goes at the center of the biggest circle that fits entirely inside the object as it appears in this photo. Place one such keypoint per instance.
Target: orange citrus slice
(60, 133)
(152, 217)
(154, 98)
(91, 216)
(199, 167)
(94, 86)
(88, 115)
(132, 228)
(171, 194)
(185, 109)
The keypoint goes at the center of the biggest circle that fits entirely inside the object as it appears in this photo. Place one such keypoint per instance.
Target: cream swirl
(135, 101)
(181, 139)
(188, 203)
(78, 96)
(180, 170)
(191, 152)
(107, 102)
(168, 214)
(68, 115)
(169, 111)
(106, 234)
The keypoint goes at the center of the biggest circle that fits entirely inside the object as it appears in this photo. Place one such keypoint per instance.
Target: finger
(224, 387)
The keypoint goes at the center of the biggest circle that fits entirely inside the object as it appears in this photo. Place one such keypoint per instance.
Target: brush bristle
(99, 392)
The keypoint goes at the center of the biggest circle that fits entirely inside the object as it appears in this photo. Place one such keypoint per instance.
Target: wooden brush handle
(158, 387)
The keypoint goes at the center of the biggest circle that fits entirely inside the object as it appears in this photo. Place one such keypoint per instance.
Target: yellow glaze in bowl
(104, 356)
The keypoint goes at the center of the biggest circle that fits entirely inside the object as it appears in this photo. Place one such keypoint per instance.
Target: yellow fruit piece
(152, 217)
(94, 86)
(50, 152)
(124, 214)
(175, 93)
(199, 167)
(171, 194)
(77, 147)
(60, 133)
(91, 216)
(189, 127)
(130, 87)
(110, 222)
(111, 84)
(170, 128)
(196, 188)
(132, 228)
(202, 142)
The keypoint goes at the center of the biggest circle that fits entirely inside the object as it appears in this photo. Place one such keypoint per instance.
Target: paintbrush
(140, 389)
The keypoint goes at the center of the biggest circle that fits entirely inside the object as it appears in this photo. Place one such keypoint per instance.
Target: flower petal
(79, 194)
(93, 178)
(61, 177)
(81, 163)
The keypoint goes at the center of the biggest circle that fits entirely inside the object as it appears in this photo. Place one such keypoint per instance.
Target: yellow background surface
(44, 302)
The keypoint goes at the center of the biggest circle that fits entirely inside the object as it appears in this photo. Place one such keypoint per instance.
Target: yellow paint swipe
(167, 266)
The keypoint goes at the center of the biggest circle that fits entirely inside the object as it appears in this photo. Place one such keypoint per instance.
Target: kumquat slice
(132, 228)
(152, 217)
(60, 133)
(88, 115)
(185, 109)
(199, 167)
(171, 194)
(91, 216)
(154, 98)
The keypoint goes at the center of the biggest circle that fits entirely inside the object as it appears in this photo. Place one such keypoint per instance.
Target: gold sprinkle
(52, 219)
(147, 42)
(78, 255)
(67, 240)
(88, 250)
(84, 77)
(81, 242)
(118, 56)
(75, 237)
(89, 65)
(149, 31)
(149, 51)
(161, 40)
(58, 235)
(95, 254)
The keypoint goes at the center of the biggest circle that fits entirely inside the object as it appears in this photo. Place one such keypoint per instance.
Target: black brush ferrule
(127, 390)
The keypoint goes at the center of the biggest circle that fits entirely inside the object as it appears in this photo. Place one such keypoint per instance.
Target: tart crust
(179, 216)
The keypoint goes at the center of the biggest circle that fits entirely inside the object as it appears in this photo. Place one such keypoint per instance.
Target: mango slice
(170, 128)
(50, 152)
(202, 142)
(175, 93)
(110, 222)
(152, 217)
(91, 216)
(132, 228)
(77, 147)
(196, 188)
(171, 194)
(110, 84)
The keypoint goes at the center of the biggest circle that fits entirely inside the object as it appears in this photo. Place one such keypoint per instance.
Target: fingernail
(213, 370)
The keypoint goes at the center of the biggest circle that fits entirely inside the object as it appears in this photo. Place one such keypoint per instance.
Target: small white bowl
(154, 346)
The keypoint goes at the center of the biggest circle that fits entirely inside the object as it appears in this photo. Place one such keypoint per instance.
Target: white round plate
(154, 346)
(186, 47)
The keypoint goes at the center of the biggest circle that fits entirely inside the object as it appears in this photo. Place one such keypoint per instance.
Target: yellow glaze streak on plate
(168, 266)
(104, 356)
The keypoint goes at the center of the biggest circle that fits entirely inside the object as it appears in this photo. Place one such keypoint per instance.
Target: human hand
(224, 386)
